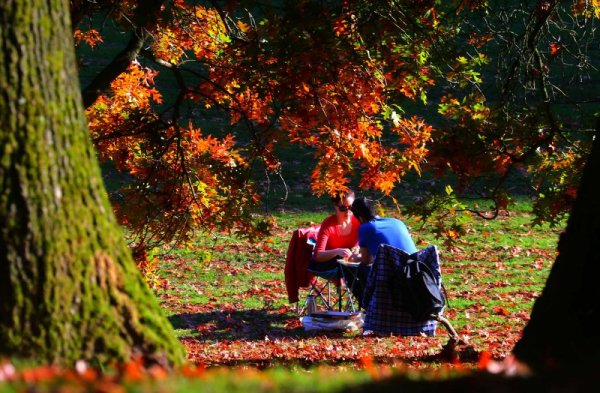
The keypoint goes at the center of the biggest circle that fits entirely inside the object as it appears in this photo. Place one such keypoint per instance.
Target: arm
(325, 255)
(366, 256)
(321, 253)
(364, 235)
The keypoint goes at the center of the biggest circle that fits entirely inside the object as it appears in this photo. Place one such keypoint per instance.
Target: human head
(343, 201)
(363, 209)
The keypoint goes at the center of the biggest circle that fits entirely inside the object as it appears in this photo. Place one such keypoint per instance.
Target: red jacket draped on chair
(297, 258)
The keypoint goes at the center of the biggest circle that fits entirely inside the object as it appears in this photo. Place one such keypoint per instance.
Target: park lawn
(227, 301)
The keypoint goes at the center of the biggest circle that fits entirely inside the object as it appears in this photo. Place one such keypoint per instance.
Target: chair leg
(340, 299)
(451, 332)
(350, 300)
(343, 295)
(300, 309)
(348, 293)
(320, 292)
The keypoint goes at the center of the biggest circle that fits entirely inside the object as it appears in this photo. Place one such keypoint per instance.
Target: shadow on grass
(246, 325)
(281, 329)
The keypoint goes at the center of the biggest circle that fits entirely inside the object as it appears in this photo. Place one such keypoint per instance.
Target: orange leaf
(501, 311)
(484, 360)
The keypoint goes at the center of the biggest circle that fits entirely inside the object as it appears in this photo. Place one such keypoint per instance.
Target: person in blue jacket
(373, 232)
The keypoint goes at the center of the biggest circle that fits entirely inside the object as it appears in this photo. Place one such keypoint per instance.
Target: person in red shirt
(337, 236)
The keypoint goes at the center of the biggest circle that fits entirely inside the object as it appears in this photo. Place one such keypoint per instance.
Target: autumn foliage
(376, 90)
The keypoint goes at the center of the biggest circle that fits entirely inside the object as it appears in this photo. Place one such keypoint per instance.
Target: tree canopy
(490, 91)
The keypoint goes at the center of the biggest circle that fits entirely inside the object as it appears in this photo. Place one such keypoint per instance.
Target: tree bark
(69, 288)
(562, 330)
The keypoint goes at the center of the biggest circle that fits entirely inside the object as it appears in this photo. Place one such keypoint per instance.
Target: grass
(227, 302)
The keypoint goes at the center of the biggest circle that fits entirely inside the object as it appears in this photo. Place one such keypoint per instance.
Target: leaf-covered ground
(226, 299)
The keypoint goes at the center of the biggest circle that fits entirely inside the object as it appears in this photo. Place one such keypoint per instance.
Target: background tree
(558, 334)
(69, 289)
(525, 120)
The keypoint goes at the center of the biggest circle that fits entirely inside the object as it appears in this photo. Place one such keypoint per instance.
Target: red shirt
(329, 235)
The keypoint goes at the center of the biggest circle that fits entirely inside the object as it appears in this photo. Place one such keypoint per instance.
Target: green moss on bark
(69, 288)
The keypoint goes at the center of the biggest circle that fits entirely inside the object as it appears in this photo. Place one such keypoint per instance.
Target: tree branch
(144, 13)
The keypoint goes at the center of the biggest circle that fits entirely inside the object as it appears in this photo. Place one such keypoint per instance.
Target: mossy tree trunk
(69, 288)
(562, 331)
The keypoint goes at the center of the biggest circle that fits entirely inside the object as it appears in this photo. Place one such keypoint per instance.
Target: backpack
(416, 290)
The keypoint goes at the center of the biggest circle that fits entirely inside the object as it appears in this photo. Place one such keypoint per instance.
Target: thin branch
(144, 14)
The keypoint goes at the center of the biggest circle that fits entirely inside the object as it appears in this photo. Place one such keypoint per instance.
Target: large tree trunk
(69, 288)
(562, 330)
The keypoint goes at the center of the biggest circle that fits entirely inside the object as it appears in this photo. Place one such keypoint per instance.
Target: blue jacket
(389, 231)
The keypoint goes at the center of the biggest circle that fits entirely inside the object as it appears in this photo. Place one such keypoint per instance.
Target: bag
(312, 323)
(417, 291)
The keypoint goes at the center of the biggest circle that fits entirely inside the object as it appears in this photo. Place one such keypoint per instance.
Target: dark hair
(362, 208)
(337, 198)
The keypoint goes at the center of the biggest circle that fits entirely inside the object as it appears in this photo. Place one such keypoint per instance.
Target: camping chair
(330, 291)
(327, 287)
(384, 311)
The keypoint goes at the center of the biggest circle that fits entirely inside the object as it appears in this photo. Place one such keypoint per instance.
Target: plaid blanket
(381, 316)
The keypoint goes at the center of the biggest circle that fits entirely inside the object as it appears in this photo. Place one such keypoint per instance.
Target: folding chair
(324, 289)
(329, 290)
(382, 313)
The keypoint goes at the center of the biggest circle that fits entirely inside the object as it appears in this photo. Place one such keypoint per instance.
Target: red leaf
(501, 311)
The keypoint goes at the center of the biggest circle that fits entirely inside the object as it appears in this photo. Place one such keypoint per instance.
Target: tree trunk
(562, 330)
(69, 288)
